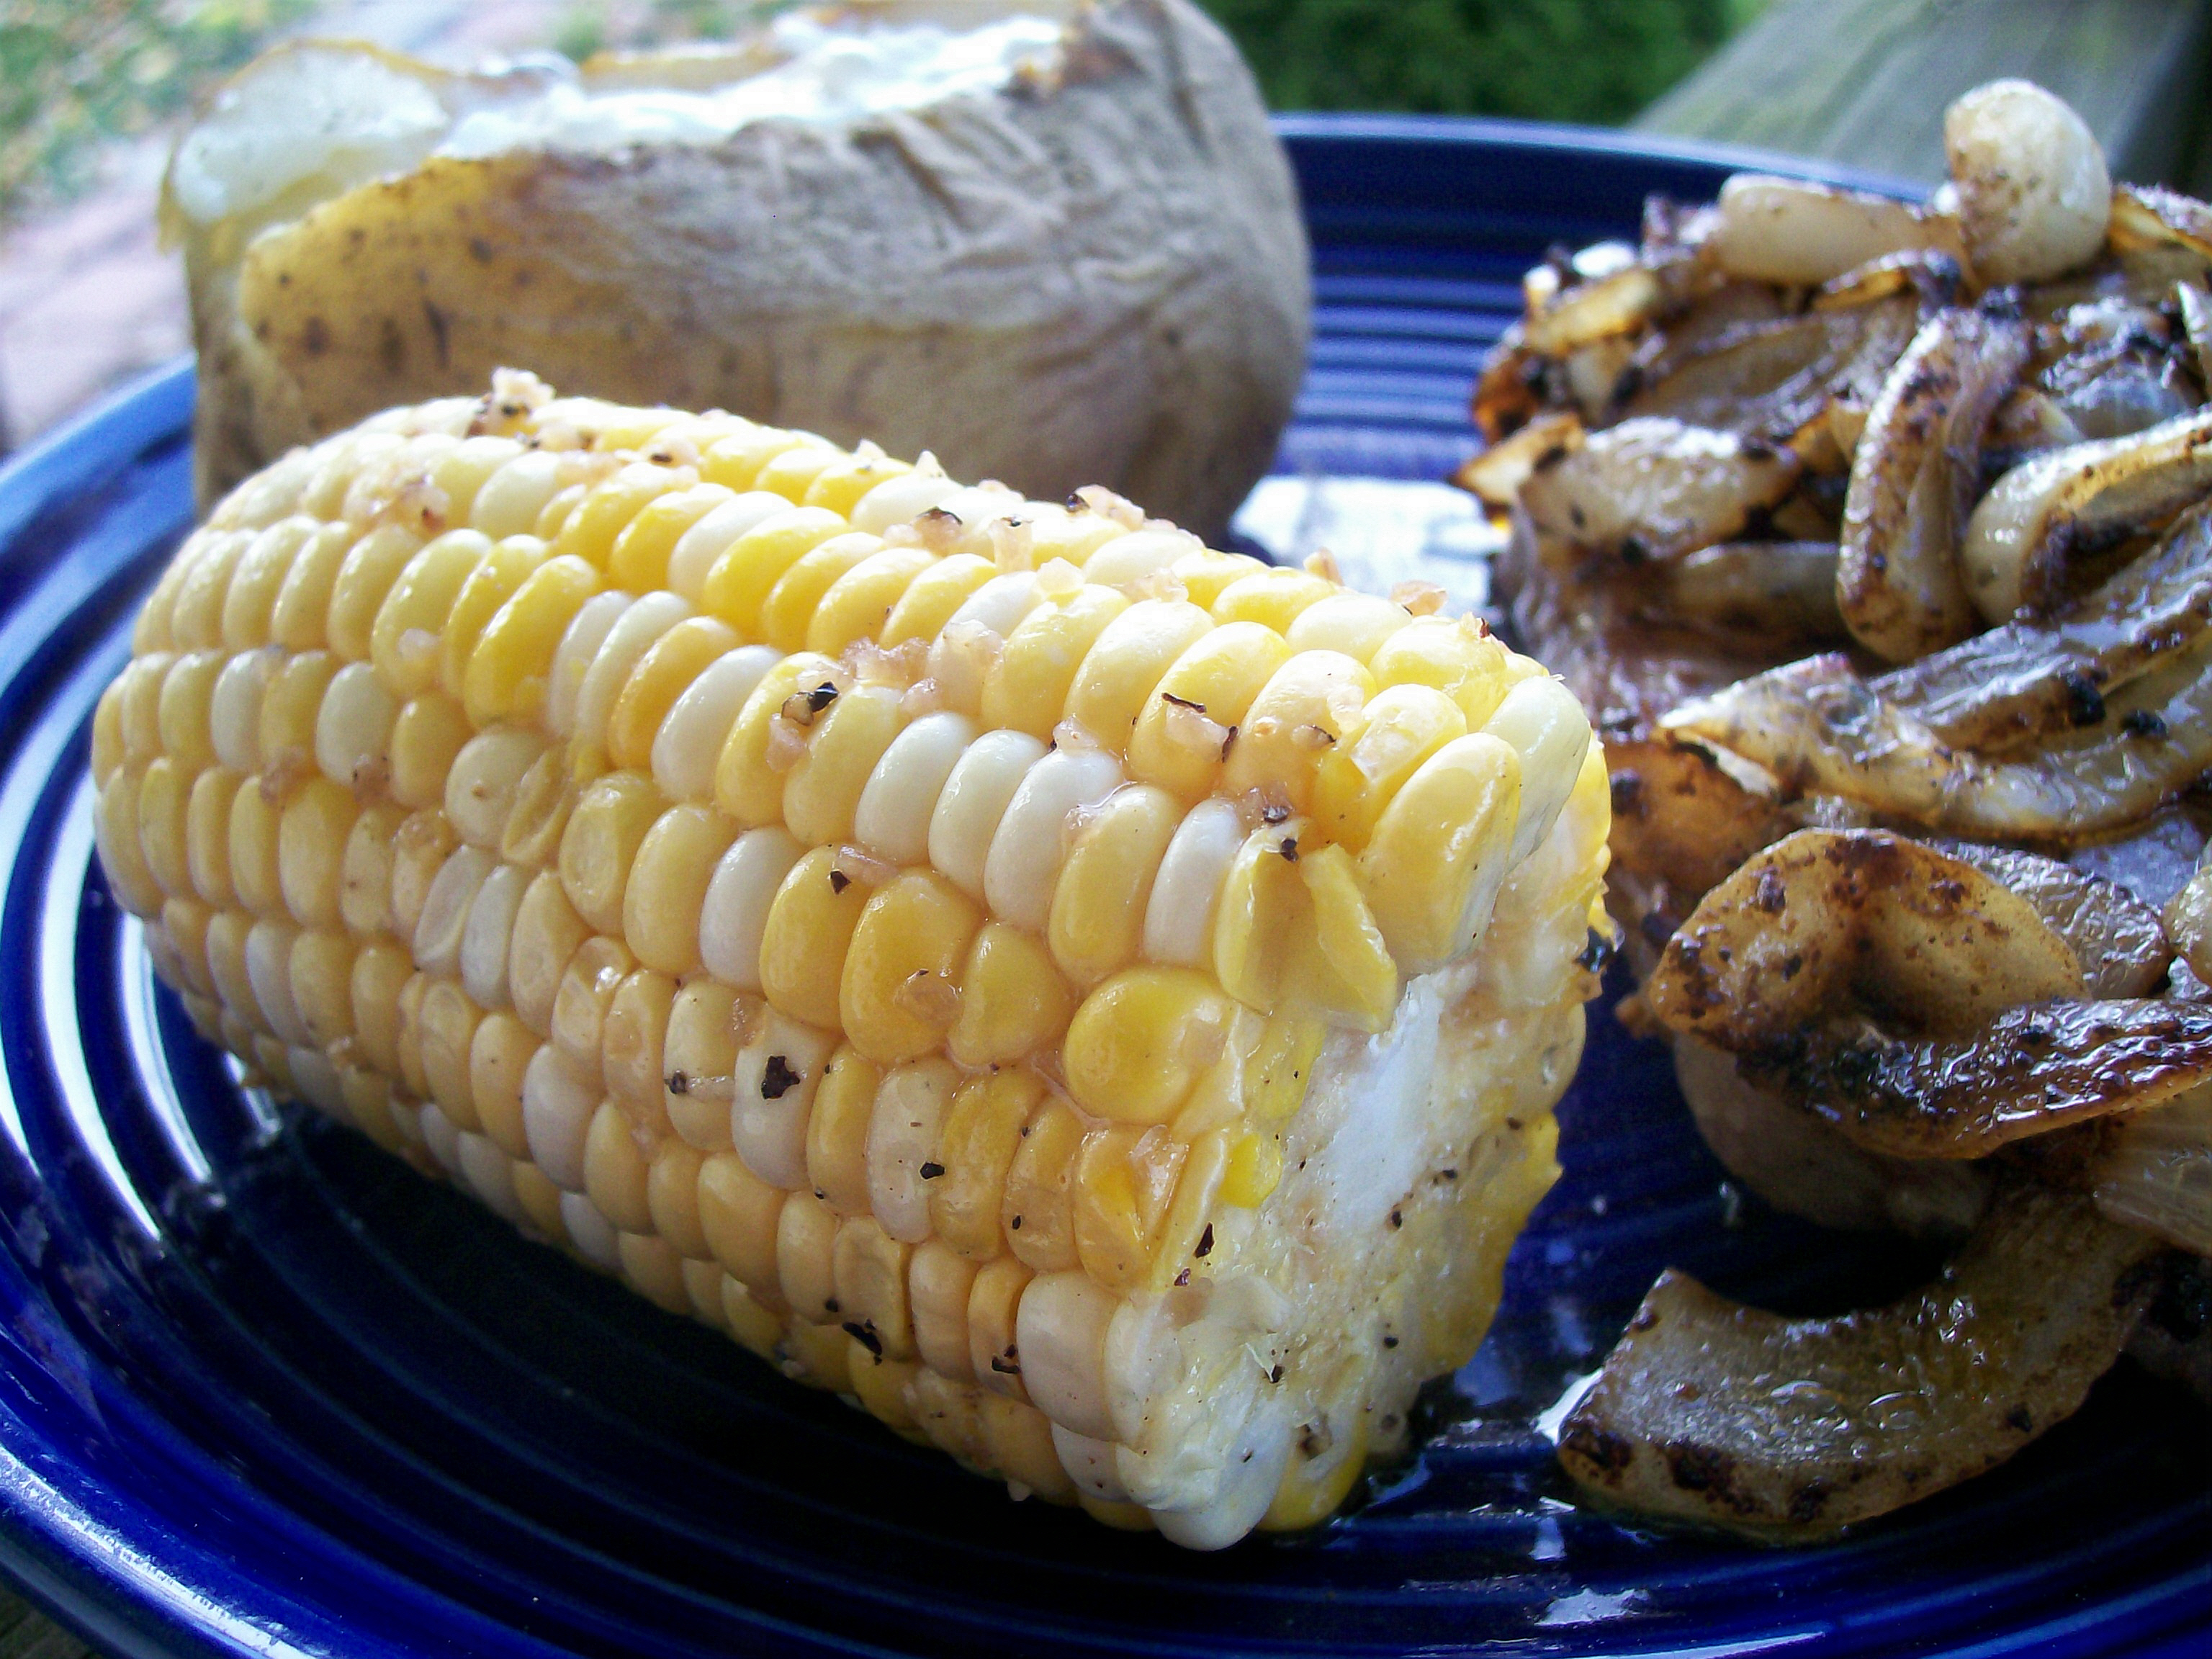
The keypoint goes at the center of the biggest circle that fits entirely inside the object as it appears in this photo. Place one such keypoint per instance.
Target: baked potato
(1053, 239)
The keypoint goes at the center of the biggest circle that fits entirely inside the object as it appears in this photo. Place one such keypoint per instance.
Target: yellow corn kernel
(406, 641)
(410, 1039)
(1432, 869)
(1073, 536)
(587, 989)
(741, 580)
(1014, 1002)
(108, 749)
(748, 783)
(1020, 1441)
(1027, 688)
(499, 1055)
(1272, 598)
(931, 598)
(291, 708)
(654, 1271)
(668, 880)
(810, 927)
(181, 713)
(447, 1028)
(822, 791)
(1317, 1483)
(1129, 659)
(227, 934)
(662, 675)
(506, 675)
(539, 1198)
(735, 461)
(631, 1047)
(1206, 575)
(884, 1387)
(195, 615)
(1280, 1070)
(820, 1356)
(1255, 1167)
(1458, 657)
(1185, 729)
(1399, 729)
(258, 578)
(537, 817)
(739, 1214)
(1182, 1239)
(698, 1060)
(1098, 916)
(616, 1169)
(976, 1148)
(1358, 624)
(1300, 714)
(311, 843)
(840, 485)
(870, 1268)
(299, 620)
(1140, 1041)
(381, 972)
(463, 471)
(638, 563)
(364, 579)
(1038, 1223)
(671, 1194)
(140, 706)
(430, 731)
(420, 847)
(164, 798)
(207, 835)
(838, 1130)
(254, 872)
(589, 529)
(789, 609)
(498, 576)
(791, 473)
(1125, 1179)
(860, 603)
(600, 845)
(547, 931)
(185, 921)
(1346, 968)
(995, 1300)
(807, 1260)
(896, 996)
(939, 1281)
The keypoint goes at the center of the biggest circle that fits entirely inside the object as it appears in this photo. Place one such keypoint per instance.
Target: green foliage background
(1593, 61)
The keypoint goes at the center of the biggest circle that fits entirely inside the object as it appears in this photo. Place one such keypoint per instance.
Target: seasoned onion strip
(2157, 1172)
(1822, 731)
(1783, 590)
(2082, 500)
(1712, 1412)
(2116, 937)
(2032, 1070)
(1655, 488)
(2028, 676)
(1914, 477)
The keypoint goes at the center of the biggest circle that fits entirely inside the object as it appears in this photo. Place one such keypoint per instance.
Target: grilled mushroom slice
(1709, 1411)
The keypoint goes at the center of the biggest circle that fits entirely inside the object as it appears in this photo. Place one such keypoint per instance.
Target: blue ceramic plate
(264, 1391)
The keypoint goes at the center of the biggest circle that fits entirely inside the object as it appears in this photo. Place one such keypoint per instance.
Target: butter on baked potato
(1054, 240)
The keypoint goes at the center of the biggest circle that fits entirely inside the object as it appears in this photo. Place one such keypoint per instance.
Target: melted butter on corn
(1093, 1001)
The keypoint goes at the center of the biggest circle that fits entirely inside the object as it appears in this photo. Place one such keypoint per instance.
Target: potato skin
(1102, 280)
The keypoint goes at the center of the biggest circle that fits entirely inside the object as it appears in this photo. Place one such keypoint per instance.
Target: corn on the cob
(1095, 1000)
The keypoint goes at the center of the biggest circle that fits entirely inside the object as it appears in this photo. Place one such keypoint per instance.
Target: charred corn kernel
(994, 1299)
(699, 1059)
(838, 1130)
(759, 753)
(1012, 1000)
(1096, 922)
(505, 675)
(746, 573)
(638, 558)
(498, 575)
(658, 681)
(936, 1007)
(981, 1133)
(859, 603)
(803, 941)
(897, 996)
(1027, 690)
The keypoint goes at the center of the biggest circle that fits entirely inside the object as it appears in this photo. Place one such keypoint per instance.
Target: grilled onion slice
(1709, 1411)
(1655, 488)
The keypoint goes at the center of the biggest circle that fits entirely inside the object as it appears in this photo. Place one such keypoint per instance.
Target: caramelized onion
(2116, 937)
(2156, 1173)
(1709, 1411)
(1914, 477)
(1656, 489)
(1783, 590)
(1789, 230)
(1767, 380)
